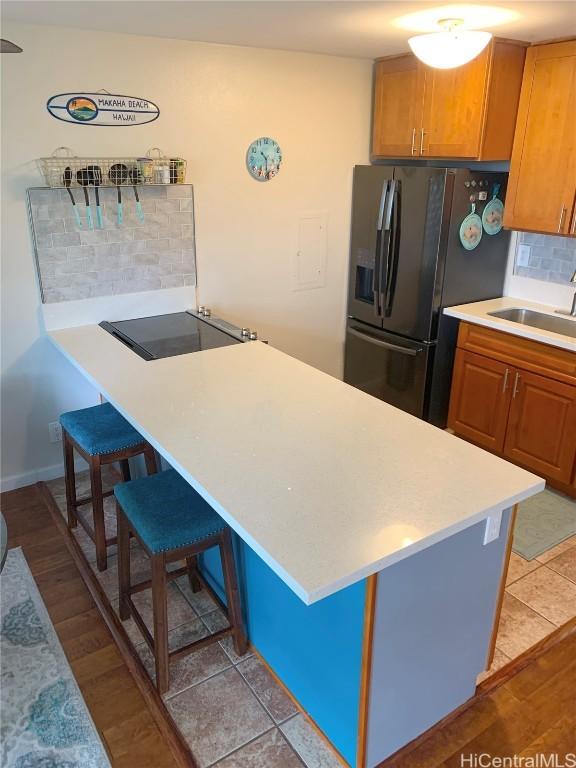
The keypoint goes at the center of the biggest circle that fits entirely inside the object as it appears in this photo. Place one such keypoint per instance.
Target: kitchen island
(366, 582)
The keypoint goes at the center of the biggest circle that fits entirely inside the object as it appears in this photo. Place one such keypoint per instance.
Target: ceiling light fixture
(452, 47)
(7, 47)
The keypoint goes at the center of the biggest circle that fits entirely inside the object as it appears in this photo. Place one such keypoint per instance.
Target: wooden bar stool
(172, 522)
(101, 436)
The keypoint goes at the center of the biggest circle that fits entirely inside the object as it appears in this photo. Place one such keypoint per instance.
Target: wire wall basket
(65, 169)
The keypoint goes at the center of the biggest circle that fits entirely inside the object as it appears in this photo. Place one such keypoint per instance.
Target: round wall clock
(263, 158)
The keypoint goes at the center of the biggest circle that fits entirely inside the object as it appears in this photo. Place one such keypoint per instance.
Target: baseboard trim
(13, 482)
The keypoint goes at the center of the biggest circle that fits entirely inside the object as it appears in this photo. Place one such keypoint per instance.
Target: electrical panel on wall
(309, 261)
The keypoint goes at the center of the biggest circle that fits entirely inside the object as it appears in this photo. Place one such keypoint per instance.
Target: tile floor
(540, 596)
(232, 712)
(229, 708)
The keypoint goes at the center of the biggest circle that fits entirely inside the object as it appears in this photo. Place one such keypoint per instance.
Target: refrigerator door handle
(385, 269)
(385, 344)
(377, 277)
(395, 253)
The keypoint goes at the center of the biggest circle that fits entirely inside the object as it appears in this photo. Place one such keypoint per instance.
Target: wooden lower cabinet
(516, 412)
(541, 432)
(480, 400)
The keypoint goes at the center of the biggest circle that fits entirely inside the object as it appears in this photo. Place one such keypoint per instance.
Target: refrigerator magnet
(471, 230)
(493, 213)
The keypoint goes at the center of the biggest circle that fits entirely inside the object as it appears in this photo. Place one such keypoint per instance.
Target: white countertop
(478, 313)
(326, 483)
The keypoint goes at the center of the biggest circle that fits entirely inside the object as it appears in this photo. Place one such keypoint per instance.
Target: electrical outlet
(55, 432)
(492, 530)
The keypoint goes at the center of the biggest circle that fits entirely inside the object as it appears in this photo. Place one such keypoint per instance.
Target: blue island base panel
(433, 620)
(315, 650)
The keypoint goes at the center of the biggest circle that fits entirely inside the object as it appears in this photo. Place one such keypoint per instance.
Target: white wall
(214, 100)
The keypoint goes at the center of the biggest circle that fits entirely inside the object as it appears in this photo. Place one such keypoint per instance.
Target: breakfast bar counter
(366, 582)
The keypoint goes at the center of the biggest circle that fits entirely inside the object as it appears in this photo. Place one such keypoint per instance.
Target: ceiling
(345, 28)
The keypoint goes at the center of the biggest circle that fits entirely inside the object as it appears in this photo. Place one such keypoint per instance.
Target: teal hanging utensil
(493, 213)
(471, 230)
(67, 180)
(95, 178)
(118, 175)
(135, 177)
(83, 179)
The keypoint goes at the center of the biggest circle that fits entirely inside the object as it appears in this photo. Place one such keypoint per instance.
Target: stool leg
(232, 593)
(160, 611)
(150, 459)
(192, 563)
(98, 512)
(70, 480)
(123, 563)
(125, 469)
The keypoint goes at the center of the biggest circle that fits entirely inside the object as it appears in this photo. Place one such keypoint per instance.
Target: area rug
(542, 522)
(44, 720)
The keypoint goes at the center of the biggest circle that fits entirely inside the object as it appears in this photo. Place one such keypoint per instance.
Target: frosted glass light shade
(449, 49)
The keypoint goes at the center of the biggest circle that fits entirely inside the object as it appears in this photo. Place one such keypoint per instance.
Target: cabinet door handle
(573, 227)
(516, 380)
(413, 149)
(505, 382)
(561, 221)
(422, 134)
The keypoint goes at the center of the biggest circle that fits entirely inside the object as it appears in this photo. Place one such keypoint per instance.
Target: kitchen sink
(538, 320)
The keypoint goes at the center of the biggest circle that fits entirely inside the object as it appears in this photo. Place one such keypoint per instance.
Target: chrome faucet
(572, 310)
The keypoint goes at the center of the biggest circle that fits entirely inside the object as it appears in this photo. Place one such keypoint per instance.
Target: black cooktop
(167, 335)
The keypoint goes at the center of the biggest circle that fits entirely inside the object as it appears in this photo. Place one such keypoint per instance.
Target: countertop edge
(514, 329)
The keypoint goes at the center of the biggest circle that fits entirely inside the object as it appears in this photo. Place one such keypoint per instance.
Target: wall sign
(109, 109)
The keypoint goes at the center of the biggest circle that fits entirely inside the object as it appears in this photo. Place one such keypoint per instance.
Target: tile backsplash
(133, 256)
(545, 257)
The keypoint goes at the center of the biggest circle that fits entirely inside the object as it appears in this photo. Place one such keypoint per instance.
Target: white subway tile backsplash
(51, 227)
(141, 284)
(81, 252)
(545, 257)
(173, 281)
(93, 237)
(168, 206)
(65, 239)
(145, 258)
(49, 255)
(74, 266)
(120, 235)
(182, 217)
(171, 257)
(77, 262)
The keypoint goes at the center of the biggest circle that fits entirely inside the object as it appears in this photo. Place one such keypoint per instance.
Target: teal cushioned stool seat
(167, 512)
(100, 429)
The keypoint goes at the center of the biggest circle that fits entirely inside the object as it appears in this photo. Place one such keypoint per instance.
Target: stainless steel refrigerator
(407, 262)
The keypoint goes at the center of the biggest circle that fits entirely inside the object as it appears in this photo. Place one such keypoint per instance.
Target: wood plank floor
(534, 711)
(120, 712)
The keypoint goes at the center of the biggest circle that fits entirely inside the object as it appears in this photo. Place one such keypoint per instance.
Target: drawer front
(559, 364)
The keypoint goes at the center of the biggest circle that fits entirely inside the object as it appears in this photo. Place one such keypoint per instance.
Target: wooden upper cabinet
(398, 103)
(480, 400)
(468, 112)
(541, 432)
(542, 184)
(453, 108)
